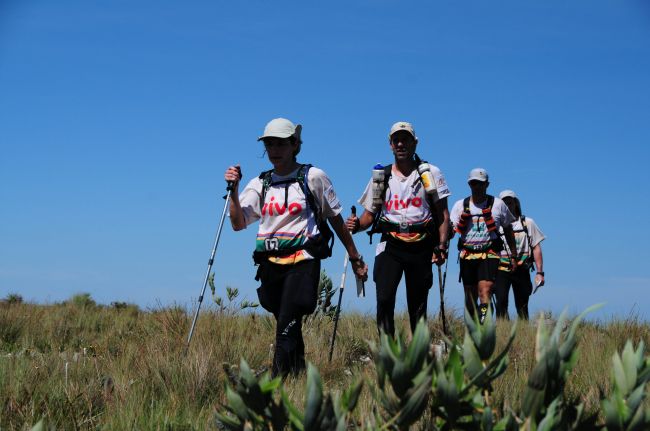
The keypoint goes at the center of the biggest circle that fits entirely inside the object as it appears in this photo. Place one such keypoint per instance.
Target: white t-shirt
(405, 200)
(521, 240)
(283, 226)
(476, 233)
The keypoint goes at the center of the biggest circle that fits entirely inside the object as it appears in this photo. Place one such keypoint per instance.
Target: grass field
(80, 365)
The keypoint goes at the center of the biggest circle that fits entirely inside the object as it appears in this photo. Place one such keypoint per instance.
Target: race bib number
(271, 244)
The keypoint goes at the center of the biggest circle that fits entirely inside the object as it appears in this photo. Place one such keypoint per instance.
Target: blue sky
(117, 120)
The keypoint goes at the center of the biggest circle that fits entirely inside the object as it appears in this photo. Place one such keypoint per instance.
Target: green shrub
(82, 300)
(457, 388)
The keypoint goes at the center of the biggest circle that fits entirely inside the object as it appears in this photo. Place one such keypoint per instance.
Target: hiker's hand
(539, 280)
(352, 223)
(439, 256)
(233, 175)
(513, 263)
(360, 269)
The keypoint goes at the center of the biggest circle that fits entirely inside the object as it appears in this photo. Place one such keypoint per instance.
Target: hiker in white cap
(293, 203)
(528, 238)
(477, 219)
(406, 202)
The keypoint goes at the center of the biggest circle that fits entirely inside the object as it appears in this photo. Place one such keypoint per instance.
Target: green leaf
(418, 350)
(226, 421)
(612, 418)
(350, 396)
(295, 417)
(640, 420)
(412, 410)
(636, 398)
(236, 405)
(541, 338)
(618, 374)
(630, 365)
(471, 358)
(40, 426)
(314, 398)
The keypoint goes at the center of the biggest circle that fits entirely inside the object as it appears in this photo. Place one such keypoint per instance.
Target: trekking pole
(341, 288)
(210, 262)
(441, 281)
(442, 299)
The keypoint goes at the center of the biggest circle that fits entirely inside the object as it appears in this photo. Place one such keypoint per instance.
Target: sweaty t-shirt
(286, 220)
(405, 201)
(476, 234)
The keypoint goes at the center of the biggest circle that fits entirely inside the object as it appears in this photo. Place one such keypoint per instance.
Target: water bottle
(377, 186)
(427, 177)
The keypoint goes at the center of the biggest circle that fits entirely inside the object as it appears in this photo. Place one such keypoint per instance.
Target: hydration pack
(319, 247)
(383, 226)
(486, 214)
(529, 262)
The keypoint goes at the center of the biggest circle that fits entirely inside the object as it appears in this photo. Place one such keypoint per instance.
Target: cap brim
(276, 135)
(281, 135)
(402, 130)
(476, 179)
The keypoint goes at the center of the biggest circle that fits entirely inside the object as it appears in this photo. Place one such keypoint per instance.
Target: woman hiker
(294, 203)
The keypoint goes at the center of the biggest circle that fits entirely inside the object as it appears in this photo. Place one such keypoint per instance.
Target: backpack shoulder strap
(266, 177)
(303, 180)
(466, 205)
(490, 201)
(524, 227)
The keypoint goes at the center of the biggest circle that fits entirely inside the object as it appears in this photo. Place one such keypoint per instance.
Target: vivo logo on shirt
(274, 209)
(396, 203)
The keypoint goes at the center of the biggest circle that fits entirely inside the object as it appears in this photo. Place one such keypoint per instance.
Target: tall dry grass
(84, 366)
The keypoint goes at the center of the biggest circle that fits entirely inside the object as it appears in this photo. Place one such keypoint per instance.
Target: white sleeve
(250, 201)
(501, 213)
(366, 198)
(456, 210)
(323, 190)
(442, 189)
(536, 235)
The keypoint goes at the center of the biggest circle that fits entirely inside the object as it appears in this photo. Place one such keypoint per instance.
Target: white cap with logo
(402, 125)
(478, 174)
(507, 194)
(281, 128)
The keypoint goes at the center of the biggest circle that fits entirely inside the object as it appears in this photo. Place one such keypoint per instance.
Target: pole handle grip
(231, 184)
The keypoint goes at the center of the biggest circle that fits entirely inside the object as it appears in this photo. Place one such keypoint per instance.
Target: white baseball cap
(478, 174)
(402, 125)
(281, 128)
(507, 194)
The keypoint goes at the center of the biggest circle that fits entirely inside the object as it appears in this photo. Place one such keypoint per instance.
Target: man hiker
(406, 202)
(528, 239)
(293, 203)
(477, 219)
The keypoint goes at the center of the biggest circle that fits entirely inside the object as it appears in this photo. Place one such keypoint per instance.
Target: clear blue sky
(118, 118)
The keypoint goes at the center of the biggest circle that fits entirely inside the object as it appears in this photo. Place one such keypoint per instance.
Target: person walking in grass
(477, 219)
(528, 239)
(294, 203)
(406, 202)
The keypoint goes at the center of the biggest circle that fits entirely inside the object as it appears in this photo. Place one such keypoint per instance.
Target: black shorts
(474, 270)
(289, 289)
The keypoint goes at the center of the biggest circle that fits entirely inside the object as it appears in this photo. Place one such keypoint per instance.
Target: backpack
(495, 245)
(379, 226)
(529, 262)
(321, 246)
